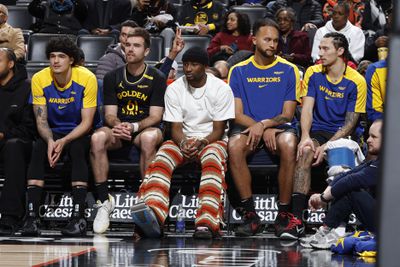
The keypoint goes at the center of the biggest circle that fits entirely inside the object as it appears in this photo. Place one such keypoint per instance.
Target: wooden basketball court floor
(119, 249)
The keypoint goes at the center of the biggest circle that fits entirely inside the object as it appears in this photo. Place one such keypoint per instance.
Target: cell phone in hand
(234, 47)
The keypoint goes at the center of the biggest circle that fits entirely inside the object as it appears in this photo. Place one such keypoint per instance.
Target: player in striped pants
(155, 188)
(198, 107)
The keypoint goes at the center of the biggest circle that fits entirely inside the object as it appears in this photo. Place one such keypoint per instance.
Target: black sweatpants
(361, 203)
(77, 152)
(14, 154)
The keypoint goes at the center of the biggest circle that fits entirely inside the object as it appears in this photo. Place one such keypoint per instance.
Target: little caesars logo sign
(266, 208)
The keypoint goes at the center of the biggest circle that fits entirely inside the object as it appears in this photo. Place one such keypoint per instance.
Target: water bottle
(180, 220)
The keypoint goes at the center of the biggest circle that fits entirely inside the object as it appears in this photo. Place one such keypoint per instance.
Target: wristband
(135, 127)
(323, 198)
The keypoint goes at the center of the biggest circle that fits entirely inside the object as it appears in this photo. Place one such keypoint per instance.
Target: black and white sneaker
(75, 227)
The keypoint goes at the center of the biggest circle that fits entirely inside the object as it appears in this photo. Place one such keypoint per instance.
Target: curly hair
(65, 45)
(243, 23)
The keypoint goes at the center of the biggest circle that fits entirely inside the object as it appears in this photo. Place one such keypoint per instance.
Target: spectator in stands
(198, 106)
(202, 16)
(64, 102)
(334, 96)
(293, 45)
(214, 71)
(115, 55)
(349, 192)
(379, 39)
(11, 37)
(266, 89)
(59, 16)
(223, 68)
(105, 17)
(374, 17)
(235, 36)
(362, 67)
(308, 13)
(17, 130)
(376, 85)
(133, 106)
(341, 24)
(173, 70)
(156, 16)
(354, 15)
(169, 61)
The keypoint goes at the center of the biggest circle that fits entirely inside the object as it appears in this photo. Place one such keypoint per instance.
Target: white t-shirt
(197, 108)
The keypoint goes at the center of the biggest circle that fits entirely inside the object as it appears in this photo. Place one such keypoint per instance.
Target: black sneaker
(294, 230)
(203, 232)
(75, 227)
(31, 226)
(251, 225)
(8, 225)
(281, 222)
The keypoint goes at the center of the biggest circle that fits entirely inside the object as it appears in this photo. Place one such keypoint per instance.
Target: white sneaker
(326, 241)
(320, 232)
(104, 210)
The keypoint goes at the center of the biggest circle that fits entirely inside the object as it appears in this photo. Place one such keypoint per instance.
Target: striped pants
(154, 190)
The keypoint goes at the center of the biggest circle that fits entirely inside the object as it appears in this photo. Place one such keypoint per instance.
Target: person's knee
(287, 145)
(149, 141)
(236, 144)
(14, 145)
(79, 147)
(98, 142)
(212, 151)
(79, 183)
(306, 157)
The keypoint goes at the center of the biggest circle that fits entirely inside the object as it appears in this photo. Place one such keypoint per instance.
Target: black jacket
(106, 15)
(53, 21)
(310, 12)
(371, 51)
(16, 114)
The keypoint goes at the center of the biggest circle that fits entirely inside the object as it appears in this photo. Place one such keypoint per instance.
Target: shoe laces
(293, 221)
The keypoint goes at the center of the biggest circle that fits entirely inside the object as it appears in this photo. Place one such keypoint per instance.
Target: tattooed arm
(349, 125)
(289, 108)
(43, 127)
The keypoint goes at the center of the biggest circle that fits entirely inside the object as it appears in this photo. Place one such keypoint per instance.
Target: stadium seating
(254, 12)
(19, 17)
(94, 46)
(37, 46)
(156, 49)
(193, 41)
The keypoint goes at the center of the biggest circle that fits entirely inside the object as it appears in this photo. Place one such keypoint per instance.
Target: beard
(4, 74)
(264, 53)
